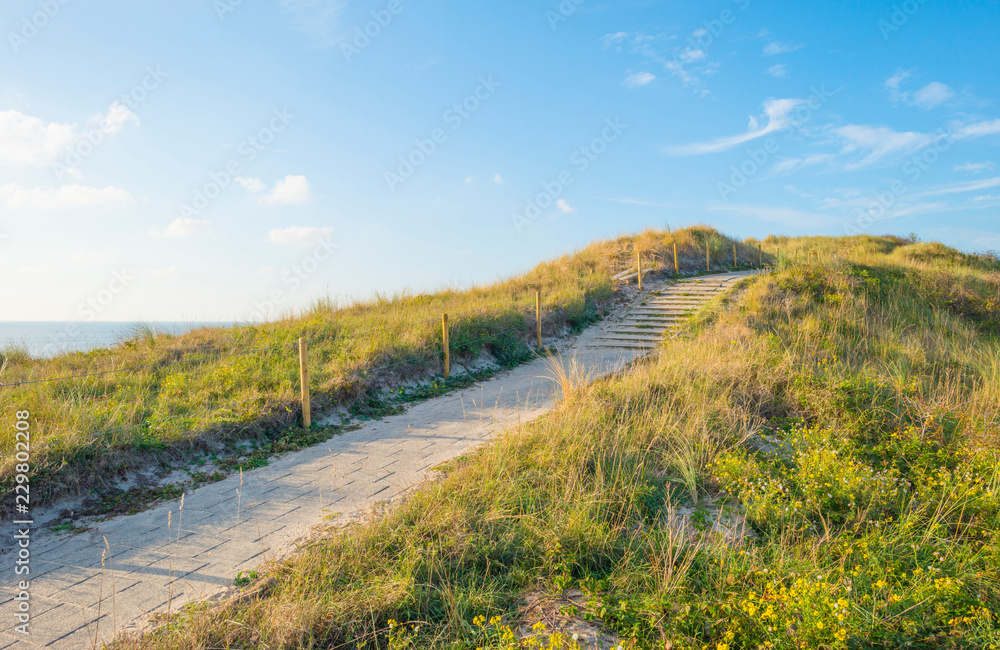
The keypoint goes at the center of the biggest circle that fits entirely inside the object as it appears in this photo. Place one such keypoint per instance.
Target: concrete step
(648, 342)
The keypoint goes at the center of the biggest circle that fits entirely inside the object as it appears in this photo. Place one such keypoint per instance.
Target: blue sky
(218, 159)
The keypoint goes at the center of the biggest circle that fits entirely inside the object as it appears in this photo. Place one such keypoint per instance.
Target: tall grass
(243, 381)
(837, 407)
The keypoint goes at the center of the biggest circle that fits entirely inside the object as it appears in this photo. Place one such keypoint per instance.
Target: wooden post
(677, 268)
(734, 255)
(760, 251)
(638, 266)
(304, 382)
(444, 340)
(538, 315)
(708, 258)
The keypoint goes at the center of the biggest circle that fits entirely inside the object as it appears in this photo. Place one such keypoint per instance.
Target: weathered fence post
(760, 251)
(638, 267)
(677, 267)
(444, 340)
(304, 382)
(734, 255)
(538, 314)
(708, 258)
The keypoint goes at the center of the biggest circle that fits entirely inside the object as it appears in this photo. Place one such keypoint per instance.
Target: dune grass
(837, 417)
(180, 394)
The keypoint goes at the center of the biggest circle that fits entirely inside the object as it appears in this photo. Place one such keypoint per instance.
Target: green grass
(837, 414)
(241, 383)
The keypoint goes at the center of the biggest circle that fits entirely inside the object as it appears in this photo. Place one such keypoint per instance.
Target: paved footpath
(159, 560)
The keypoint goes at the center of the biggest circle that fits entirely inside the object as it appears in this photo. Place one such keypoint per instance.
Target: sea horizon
(46, 339)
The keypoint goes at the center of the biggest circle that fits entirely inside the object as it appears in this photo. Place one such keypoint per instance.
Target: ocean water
(50, 338)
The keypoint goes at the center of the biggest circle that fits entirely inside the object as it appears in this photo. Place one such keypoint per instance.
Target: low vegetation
(815, 464)
(157, 398)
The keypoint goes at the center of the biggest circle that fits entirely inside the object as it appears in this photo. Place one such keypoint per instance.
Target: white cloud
(164, 272)
(893, 82)
(288, 191)
(118, 115)
(969, 186)
(640, 79)
(469, 180)
(498, 179)
(27, 140)
(774, 48)
(564, 208)
(974, 168)
(978, 129)
(184, 227)
(931, 95)
(778, 71)
(16, 197)
(613, 39)
(299, 235)
(253, 185)
(777, 112)
(788, 165)
(875, 143)
(692, 54)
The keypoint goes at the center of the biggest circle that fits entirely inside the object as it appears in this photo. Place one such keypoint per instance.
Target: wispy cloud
(929, 96)
(789, 165)
(969, 186)
(688, 62)
(773, 48)
(778, 71)
(776, 111)
(978, 129)
(974, 168)
(640, 79)
(871, 144)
